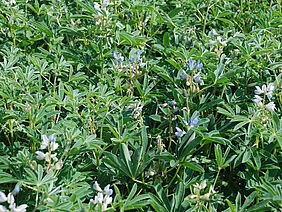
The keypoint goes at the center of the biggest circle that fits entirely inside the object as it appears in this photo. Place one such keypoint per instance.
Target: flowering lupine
(197, 78)
(46, 141)
(179, 132)
(266, 91)
(47, 156)
(193, 121)
(270, 106)
(131, 60)
(118, 57)
(17, 189)
(183, 75)
(190, 64)
(12, 205)
(199, 65)
(103, 197)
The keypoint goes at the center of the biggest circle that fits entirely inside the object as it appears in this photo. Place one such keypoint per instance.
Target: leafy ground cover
(140, 105)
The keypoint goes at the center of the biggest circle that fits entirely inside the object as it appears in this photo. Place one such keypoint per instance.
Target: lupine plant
(168, 106)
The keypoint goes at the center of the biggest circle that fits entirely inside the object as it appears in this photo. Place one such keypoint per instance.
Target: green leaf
(126, 157)
(166, 39)
(157, 118)
(194, 166)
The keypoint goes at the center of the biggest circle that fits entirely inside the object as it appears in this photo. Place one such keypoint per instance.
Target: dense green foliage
(176, 105)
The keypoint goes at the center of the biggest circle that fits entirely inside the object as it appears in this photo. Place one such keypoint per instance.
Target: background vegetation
(156, 99)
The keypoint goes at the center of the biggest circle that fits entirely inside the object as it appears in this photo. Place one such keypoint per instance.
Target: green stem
(178, 168)
(216, 177)
(205, 20)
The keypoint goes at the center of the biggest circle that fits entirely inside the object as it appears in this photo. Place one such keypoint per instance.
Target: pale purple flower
(139, 60)
(106, 3)
(118, 57)
(131, 60)
(179, 132)
(184, 122)
(45, 142)
(213, 32)
(97, 187)
(270, 106)
(197, 78)
(173, 103)
(183, 75)
(142, 64)
(114, 54)
(259, 91)
(193, 121)
(191, 64)
(17, 188)
(199, 65)
(48, 157)
(108, 191)
(97, 6)
(108, 199)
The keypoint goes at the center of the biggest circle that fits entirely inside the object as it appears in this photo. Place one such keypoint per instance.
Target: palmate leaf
(116, 163)
(130, 166)
(132, 203)
(38, 179)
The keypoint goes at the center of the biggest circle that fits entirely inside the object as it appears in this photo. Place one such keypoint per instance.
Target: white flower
(59, 165)
(258, 90)
(21, 208)
(219, 39)
(203, 184)
(40, 155)
(270, 106)
(53, 146)
(46, 141)
(97, 6)
(258, 100)
(49, 156)
(108, 191)
(151, 173)
(224, 43)
(10, 199)
(212, 42)
(269, 90)
(3, 197)
(2, 208)
(214, 32)
(13, 2)
(106, 3)
(107, 200)
(98, 198)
